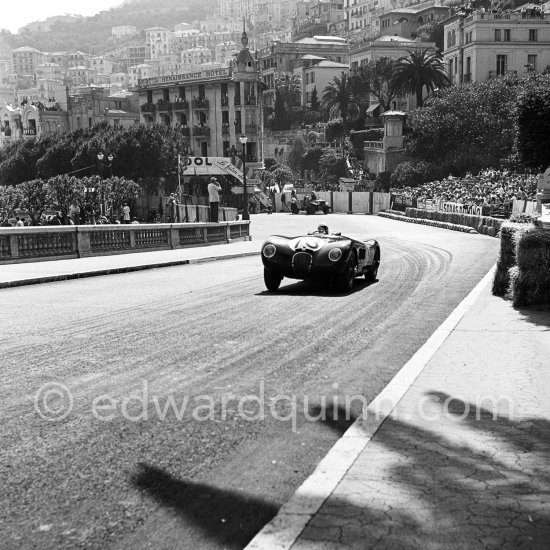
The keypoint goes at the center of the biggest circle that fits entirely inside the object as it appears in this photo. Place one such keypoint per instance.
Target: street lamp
(246, 216)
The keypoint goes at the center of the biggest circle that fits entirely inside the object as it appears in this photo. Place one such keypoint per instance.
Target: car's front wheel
(372, 270)
(347, 277)
(272, 280)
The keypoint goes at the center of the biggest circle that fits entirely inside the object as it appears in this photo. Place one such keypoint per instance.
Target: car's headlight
(269, 250)
(335, 254)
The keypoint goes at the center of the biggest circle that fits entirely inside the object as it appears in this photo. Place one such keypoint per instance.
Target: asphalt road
(193, 403)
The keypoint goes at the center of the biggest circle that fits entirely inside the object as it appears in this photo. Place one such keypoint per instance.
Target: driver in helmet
(322, 229)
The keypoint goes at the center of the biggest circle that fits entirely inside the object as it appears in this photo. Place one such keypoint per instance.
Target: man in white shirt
(214, 189)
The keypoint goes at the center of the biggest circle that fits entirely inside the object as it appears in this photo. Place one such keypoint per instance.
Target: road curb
(424, 221)
(284, 530)
(117, 270)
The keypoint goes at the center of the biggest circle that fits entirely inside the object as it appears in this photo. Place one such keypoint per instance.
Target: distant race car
(319, 256)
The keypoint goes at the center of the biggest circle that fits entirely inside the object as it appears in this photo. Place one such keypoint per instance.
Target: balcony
(148, 108)
(164, 105)
(251, 128)
(251, 100)
(468, 77)
(200, 103)
(29, 131)
(180, 104)
(225, 127)
(225, 101)
(199, 131)
(185, 131)
(237, 101)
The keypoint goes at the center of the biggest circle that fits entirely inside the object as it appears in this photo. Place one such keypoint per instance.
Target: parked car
(319, 256)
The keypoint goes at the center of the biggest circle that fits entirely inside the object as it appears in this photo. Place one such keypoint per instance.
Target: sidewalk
(452, 454)
(57, 270)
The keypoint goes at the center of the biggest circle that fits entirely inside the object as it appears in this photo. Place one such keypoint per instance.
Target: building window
(532, 35)
(502, 63)
(507, 35)
(532, 62)
(498, 33)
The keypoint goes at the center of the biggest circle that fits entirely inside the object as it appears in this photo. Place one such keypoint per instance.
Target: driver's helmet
(323, 229)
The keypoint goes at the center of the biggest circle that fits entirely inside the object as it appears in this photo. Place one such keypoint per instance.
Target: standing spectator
(74, 212)
(126, 213)
(283, 201)
(214, 189)
(19, 222)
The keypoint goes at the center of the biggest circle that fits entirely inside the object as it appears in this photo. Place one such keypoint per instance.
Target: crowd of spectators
(491, 188)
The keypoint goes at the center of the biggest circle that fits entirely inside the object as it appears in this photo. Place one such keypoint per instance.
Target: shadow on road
(312, 288)
(487, 487)
(229, 517)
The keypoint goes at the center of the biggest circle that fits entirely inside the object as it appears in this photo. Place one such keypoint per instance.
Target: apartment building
(212, 107)
(481, 45)
(123, 31)
(324, 17)
(284, 57)
(101, 64)
(25, 60)
(317, 73)
(406, 20)
(195, 56)
(158, 40)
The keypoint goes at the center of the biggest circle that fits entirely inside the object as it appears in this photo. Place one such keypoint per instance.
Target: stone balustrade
(77, 241)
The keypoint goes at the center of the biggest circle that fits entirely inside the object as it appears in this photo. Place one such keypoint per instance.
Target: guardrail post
(14, 246)
(132, 238)
(83, 242)
(174, 235)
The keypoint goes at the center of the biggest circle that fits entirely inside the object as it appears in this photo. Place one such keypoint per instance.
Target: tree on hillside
(280, 176)
(290, 87)
(64, 191)
(465, 128)
(281, 119)
(375, 78)
(338, 100)
(314, 103)
(34, 198)
(10, 199)
(421, 69)
(532, 119)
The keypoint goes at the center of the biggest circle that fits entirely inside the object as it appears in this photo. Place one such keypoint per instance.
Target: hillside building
(285, 57)
(480, 45)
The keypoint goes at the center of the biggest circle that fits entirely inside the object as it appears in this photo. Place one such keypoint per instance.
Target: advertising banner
(212, 166)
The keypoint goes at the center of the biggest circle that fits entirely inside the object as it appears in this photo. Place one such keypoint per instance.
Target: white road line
(283, 530)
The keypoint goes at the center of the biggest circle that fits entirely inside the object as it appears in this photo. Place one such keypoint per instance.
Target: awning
(372, 108)
(212, 166)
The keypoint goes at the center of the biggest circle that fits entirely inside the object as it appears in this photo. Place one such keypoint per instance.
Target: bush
(410, 174)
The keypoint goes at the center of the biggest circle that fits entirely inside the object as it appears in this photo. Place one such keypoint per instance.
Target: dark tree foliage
(281, 119)
(533, 122)
(465, 128)
(140, 152)
(311, 158)
(315, 105)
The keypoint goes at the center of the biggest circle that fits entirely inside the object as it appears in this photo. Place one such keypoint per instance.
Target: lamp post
(246, 216)
(102, 166)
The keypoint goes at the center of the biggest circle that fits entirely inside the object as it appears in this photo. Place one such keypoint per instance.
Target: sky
(15, 15)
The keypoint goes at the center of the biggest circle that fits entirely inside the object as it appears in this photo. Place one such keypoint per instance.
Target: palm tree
(290, 86)
(339, 100)
(420, 69)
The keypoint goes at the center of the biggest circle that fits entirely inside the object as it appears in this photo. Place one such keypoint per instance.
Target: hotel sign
(209, 74)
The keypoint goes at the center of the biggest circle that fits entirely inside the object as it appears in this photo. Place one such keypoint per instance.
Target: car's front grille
(301, 263)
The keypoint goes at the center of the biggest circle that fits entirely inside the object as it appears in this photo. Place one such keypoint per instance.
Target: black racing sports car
(319, 256)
